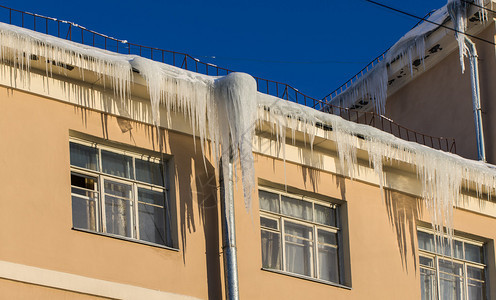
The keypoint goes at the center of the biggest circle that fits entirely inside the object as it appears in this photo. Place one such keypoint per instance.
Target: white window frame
(101, 177)
(436, 257)
(282, 219)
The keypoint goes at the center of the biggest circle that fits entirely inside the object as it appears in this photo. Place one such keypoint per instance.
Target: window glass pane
(298, 230)
(299, 248)
(269, 223)
(149, 172)
(476, 290)
(426, 261)
(118, 189)
(151, 197)
(451, 267)
(475, 273)
(118, 216)
(458, 249)
(117, 164)
(428, 284)
(328, 263)
(473, 253)
(84, 201)
(296, 208)
(269, 201)
(451, 286)
(325, 215)
(327, 237)
(425, 241)
(84, 156)
(152, 223)
(271, 250)
(83, 182)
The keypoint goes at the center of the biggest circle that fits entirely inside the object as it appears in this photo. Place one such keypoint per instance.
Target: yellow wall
(439, 101)
(35, 217)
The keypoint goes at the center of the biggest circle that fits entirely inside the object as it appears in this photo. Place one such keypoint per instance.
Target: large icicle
(458, 10)
(236, 96)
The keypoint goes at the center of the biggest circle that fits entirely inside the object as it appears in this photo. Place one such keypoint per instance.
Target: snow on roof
(373, 84)
(233, 107)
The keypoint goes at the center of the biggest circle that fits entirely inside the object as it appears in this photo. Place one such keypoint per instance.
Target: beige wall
(35, 217)
(439, 101)
(35, 206)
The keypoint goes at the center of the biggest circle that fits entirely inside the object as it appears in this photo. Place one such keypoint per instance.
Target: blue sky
(312, 45)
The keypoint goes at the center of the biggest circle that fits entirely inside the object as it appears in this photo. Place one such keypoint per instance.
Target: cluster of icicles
(373, 84)
(226, 110)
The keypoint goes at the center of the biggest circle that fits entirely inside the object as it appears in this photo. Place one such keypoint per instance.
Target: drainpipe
(229, 231)
(474, 77)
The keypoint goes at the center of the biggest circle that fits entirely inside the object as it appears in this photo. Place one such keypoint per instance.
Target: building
(111, 182)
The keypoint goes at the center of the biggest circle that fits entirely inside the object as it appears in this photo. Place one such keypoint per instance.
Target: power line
(479, 6)
(429, 21)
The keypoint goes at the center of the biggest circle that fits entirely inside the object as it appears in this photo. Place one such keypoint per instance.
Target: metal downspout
(474, 77)
(229, 232)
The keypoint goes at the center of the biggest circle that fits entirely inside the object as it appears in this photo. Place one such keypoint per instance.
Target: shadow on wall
(310, 174)
(197, 191)
(403, 211)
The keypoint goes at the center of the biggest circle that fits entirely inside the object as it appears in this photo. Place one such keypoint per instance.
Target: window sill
(307, 278)
(118, 237)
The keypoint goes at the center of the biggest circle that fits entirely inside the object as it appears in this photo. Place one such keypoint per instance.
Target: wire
(479, 6)
(429, 21)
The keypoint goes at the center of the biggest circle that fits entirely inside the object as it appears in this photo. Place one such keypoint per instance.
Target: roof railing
(79, 34)
(328, 98)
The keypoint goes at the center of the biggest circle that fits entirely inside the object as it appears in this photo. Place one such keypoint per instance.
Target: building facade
(100, 199)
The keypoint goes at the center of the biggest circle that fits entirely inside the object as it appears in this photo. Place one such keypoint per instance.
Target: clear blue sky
(312, 45)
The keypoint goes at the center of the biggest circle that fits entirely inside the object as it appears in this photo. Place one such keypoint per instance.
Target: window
(300, 236)
(119, 193)
(456, 272)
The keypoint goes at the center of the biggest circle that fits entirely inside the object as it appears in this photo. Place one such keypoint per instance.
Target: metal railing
(389, 126)
(79, 34)
(327, 98)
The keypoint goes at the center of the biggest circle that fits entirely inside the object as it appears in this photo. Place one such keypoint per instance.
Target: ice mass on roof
(225, 111)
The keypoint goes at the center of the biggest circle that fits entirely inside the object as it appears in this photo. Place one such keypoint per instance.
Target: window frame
(101, 177)
(436, 257)
(315, 227)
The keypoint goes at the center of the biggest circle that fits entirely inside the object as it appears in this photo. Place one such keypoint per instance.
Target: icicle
(224, 110)
(372, 86)
(441, 174)
(458, 12)
(236, 96)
